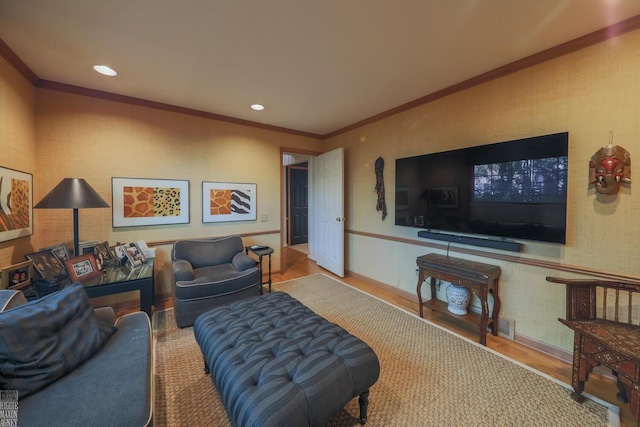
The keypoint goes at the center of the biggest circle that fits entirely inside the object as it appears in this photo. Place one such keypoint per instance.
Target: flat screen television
(514, 189)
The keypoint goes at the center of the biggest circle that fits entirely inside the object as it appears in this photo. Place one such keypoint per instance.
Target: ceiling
(317, 66)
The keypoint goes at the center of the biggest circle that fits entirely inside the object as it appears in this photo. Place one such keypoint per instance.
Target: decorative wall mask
(608, 167)
(381, 205)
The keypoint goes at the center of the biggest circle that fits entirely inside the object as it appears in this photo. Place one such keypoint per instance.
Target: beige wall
(587, 93)
(17, 142)
(77, 136)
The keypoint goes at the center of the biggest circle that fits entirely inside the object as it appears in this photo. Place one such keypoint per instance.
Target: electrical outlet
(264, 218)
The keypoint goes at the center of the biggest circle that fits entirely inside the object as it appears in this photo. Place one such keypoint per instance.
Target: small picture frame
(135, 256)
(104, 255)
(60, 250)
(82, 268)
(87, 247)
(17, 276)
(120, 251)
(47, 264)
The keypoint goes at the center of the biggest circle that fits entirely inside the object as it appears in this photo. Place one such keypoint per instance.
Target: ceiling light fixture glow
(257, 107)
(103, 69)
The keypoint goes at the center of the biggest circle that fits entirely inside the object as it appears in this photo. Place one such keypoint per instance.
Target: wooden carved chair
(605, 318)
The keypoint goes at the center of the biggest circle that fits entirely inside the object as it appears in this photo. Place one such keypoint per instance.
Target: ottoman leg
(363, 400)
(206, 368)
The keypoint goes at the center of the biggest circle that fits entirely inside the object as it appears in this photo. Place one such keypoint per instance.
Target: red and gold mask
(608, 167)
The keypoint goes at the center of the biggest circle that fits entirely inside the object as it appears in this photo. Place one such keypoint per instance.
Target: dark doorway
(298, 203)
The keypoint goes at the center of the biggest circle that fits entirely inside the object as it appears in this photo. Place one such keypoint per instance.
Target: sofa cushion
(217, 280)
(45, 339)
(203, 253)
(113, 388)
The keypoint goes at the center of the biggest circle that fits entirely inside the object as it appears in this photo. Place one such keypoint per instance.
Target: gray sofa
(81, 376)
(208, 273)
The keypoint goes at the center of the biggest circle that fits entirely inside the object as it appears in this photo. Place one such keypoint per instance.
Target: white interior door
(329, 192)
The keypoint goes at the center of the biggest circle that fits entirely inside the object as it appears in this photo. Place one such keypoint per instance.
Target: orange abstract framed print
(226, 201)
(138, 201)
(16, 204)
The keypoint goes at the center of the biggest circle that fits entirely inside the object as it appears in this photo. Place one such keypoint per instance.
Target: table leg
(260, 269)
(269, 273)
(146, 297)
(419, 291)
(495, 313)
(484, 317)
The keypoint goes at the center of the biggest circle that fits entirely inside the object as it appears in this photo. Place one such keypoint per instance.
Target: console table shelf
(440, 306)
(481, 279)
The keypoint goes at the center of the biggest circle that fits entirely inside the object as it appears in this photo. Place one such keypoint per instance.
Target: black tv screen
(515, 189)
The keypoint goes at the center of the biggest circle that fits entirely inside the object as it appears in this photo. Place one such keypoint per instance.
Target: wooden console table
(479, 278)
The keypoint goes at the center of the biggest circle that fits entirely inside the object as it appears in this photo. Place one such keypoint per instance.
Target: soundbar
(506, 245)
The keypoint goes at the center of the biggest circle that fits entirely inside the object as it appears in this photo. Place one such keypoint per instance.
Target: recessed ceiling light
(103, 69)
(257, 107)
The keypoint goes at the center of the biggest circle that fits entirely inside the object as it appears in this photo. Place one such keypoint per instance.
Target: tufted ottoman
(277, 363)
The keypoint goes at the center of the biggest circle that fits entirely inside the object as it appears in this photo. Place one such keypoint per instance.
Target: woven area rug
(429, 376)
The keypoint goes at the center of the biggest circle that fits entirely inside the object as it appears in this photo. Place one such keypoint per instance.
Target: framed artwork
(61, 251)
(16, 204)
(17, 276)
(139, 202)
(225, 201)
(82, 267)
(443, 197)
(47, 264)
(134, 254)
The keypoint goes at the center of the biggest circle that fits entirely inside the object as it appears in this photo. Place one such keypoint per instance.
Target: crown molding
(591, 39)
(571, 46)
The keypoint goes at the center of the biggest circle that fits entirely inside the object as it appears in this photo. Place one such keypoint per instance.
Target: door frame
(283, 197)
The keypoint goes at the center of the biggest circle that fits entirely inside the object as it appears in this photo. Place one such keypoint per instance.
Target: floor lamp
(72, 193)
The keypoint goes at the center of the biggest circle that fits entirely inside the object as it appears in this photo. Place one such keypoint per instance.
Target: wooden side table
(479, 278)
(260, 252)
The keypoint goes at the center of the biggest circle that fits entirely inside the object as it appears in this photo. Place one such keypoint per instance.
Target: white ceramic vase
(458, 298)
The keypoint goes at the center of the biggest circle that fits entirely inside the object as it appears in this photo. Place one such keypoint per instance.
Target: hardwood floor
(296, 264)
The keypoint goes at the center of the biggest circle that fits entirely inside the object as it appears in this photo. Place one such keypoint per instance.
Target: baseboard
(558, 353)
(402, 293)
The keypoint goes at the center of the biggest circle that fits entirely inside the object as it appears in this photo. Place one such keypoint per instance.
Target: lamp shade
(72, 193)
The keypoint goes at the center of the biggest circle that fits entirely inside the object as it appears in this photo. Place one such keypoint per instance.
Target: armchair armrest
(10, 298)
(182, 270)
(105, 314)
(242, 261)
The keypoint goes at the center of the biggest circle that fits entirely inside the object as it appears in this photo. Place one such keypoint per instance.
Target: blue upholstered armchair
(208, 273)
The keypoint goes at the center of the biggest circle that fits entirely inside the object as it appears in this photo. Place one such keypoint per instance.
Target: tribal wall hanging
(381, 205)
(609, 167)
